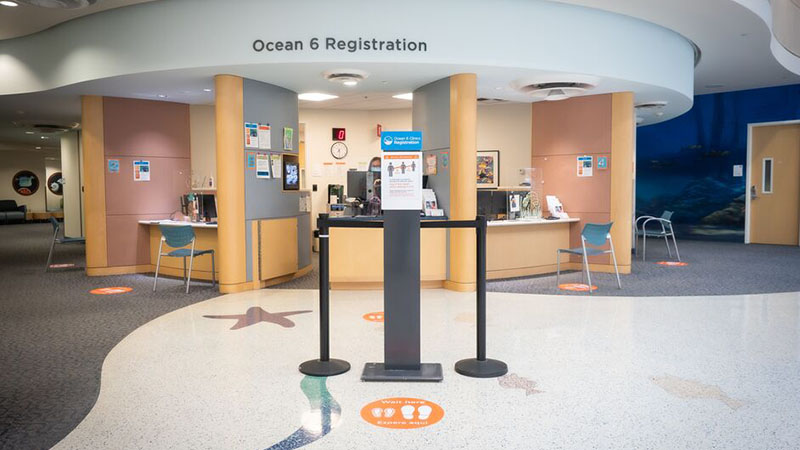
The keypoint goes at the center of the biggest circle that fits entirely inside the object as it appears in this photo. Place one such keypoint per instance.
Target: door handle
(753, 195)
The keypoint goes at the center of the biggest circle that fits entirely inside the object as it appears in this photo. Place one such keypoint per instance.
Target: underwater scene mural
(686, 164)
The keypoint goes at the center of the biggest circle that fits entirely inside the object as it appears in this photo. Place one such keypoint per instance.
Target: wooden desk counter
(356, 258)
(516, 248)
(205, 239)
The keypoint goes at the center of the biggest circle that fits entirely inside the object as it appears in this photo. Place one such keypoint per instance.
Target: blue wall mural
(686, 164)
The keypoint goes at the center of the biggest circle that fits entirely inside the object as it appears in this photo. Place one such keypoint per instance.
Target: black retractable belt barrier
(480, 367)
(324, 366)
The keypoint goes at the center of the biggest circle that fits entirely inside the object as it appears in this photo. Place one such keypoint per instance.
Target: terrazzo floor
(584, 373)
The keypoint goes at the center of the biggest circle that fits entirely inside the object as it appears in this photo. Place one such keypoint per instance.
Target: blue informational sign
(401, 141)
(113, 166)
(602, 162)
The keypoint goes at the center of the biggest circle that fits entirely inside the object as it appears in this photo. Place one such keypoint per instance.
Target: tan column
(94, 183)
(463, 186)
(622, 146)
(229, 121)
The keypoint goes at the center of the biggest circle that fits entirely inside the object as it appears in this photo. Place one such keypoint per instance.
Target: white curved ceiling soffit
(26, 19)
(739, 49)
(734, 37)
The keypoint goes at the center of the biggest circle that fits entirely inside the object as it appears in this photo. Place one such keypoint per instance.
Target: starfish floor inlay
(256, 314)
(514, 381)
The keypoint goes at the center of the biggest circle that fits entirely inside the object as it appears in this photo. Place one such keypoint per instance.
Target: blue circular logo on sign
(388, 140)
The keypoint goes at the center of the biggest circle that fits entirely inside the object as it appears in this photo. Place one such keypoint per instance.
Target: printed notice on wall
(276, 165)
(738, 170)
(264, 136)
(250, 135)
(141, 171)
(585, 166)
(401, 180)
(262, 165)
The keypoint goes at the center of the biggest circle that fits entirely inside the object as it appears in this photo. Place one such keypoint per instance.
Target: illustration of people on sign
(391, 170)
(403, 167)
(413, 166)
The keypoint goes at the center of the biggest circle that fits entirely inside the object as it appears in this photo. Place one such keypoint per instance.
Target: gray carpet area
(714, 268)
(55, 334)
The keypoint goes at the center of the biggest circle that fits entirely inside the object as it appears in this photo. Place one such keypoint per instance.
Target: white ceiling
(733, 40)
(24, 19)
(735, 46)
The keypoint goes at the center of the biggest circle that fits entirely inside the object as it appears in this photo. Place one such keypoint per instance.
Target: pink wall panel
(129, 242)
(580, 125)
(169, 179)
(561, 131)
(577, 194)
(145, 128)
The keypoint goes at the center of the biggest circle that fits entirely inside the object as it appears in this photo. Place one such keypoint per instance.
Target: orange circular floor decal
(576, 287)
(402, 412)
(672, 263)
(376, 316)
(110, 290)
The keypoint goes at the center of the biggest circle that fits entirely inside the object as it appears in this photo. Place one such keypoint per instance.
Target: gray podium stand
(401, 311)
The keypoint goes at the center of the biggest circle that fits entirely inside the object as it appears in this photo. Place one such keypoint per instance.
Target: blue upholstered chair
(665, 232)
(594, 235)
(57, 240)
(178, 237)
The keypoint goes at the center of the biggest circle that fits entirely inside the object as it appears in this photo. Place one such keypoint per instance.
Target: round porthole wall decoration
(56, 183)
(25, 183)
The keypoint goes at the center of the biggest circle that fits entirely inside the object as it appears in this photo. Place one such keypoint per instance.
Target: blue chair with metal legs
(594, 235)
(666, 232)
(178, 237)
(57, 240)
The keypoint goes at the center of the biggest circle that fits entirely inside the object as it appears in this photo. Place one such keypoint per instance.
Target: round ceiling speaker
(59, 4)
(347, 77)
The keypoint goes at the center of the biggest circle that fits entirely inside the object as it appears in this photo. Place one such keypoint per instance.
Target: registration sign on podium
(401, 200)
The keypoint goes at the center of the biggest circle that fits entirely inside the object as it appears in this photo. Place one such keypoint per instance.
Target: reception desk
(514, 248)
(517, 248)
(205, 239)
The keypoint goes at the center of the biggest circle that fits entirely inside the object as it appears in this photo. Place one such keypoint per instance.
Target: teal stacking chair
(666, 232)
(593, 236)
(178, 237)
(59, 240)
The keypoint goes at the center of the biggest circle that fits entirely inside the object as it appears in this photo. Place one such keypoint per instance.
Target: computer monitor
(208, 207)
(357, 184)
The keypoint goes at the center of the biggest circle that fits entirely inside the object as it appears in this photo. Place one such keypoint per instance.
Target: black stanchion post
(481, 367)
(324, 366)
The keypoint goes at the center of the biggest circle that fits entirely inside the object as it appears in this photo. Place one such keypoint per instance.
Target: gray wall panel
(265, 198)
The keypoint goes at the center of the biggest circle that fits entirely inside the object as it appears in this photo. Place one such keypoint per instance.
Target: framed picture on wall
(488, 169)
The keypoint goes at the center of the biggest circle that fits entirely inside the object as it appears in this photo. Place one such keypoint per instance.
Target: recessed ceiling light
(498, 88)
(162, 96)
(316, 96)
(206, 90)
(9, 3)
(38, 148)
(408, 96)
(29, 132)
(45, 137)
(350, 83)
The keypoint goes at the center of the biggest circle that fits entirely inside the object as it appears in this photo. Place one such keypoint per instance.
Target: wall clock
(339, 150)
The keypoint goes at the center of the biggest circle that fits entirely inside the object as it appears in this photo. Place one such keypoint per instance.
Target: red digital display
(339, 134)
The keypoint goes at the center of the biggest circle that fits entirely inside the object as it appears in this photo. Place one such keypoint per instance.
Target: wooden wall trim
(94, 183)
(463, 185)
(622, 150)
(229, 122)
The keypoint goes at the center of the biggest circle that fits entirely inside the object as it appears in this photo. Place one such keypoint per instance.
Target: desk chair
(596, 235)
(666, 232)
(57, 240)
(177, 237)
